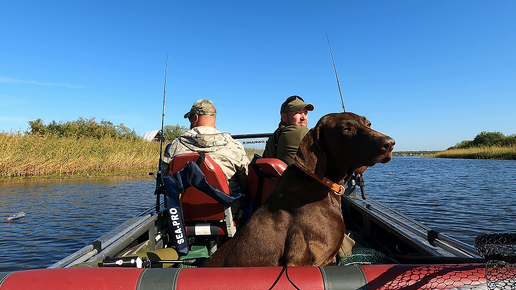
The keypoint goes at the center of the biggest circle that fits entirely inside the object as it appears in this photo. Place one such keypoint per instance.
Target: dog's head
(341, 143)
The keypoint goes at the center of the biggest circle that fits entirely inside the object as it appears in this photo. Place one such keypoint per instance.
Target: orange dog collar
(337, 188)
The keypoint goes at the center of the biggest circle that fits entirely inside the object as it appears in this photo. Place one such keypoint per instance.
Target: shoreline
(142, 173)
(35, 157)
(131, 174)
(492, 153)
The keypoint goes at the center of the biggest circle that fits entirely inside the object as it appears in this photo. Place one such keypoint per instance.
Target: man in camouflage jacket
(203, 137)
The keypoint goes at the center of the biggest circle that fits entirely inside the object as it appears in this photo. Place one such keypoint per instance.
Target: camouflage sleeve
(166, 160)
(165, 168)
(173, 149)
(167, 154)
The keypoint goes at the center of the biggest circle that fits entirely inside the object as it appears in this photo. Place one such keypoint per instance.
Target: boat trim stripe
(158, 279)
(349, 277)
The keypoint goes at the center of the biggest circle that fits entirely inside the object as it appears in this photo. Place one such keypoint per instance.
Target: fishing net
(365, 256)
(431, 277)
(407, 276)
(499, 250)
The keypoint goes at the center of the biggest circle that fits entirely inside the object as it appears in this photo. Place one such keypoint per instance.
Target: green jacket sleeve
(289, 141)
(269, 150)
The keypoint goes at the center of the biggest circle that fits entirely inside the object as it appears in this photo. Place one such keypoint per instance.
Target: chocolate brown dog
(301, 222)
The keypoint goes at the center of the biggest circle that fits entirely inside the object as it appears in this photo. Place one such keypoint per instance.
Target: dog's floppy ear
(361, 170)
(321, 159)
(310, 155)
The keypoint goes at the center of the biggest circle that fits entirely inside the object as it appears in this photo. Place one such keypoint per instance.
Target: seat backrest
(196, 204)
(264, 174)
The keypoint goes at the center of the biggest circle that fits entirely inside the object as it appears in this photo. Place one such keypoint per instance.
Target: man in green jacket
(284, 142)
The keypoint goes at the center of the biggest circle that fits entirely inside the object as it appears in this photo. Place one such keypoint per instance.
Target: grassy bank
(493, 152)
(43, 156)
(35, 156)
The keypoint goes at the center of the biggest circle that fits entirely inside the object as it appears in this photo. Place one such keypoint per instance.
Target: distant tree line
(171, 132)
(487, 139)
(413, 153)
(81, 127)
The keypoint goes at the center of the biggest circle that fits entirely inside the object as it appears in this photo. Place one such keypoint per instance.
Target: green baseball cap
(202, 107)
(294, 104)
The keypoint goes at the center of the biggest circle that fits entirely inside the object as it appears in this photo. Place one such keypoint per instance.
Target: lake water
(63, 216)
(462, 198)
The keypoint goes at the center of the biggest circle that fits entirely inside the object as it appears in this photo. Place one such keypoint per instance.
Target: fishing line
(336, 77)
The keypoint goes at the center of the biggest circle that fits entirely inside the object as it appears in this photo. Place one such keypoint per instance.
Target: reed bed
(48, 155)
(24, 156)
(251, 151)
(493, 152)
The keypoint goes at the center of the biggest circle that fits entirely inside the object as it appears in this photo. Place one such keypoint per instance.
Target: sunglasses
(288, 100)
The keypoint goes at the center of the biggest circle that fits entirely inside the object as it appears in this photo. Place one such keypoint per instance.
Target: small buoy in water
(16, 216)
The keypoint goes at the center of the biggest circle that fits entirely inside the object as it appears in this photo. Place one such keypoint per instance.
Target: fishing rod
(144, 262)
(336, 77)
(159, 179)
(163, 115)
(358, 177)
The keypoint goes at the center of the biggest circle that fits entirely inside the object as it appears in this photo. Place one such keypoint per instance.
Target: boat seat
(199, 209)
(264, 174)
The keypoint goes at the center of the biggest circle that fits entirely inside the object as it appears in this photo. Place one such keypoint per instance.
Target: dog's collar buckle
(341, 190)
(337, 188)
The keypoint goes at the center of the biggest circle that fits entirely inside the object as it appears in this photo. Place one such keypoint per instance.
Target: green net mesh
(365, 256)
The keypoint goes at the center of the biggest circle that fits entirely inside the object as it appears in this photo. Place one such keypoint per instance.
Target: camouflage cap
(294, 104)
(202, 107)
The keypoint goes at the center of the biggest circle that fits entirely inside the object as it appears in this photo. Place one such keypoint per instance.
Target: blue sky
(428, 73)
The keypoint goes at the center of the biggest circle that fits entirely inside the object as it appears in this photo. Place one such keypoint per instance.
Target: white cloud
(16, 81)
(12, 119)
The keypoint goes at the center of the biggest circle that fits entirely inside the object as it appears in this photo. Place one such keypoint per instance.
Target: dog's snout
(387, 143)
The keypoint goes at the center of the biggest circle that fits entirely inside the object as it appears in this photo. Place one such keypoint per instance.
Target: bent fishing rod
(159, 177)
(336, 77)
